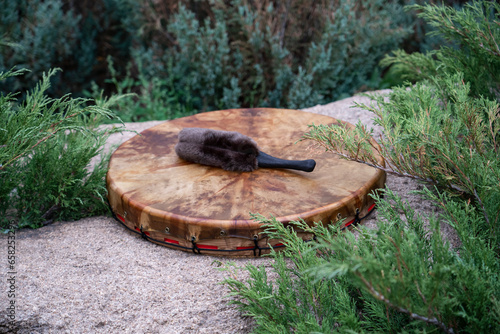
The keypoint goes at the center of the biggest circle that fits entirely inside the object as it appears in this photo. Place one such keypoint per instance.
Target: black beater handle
(268, 161)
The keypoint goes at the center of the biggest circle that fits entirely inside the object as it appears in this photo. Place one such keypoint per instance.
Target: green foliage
(402, 276)
(46, 146)
(202, 55)
(207, 54)
(437, 134)
(152, 98)
(294, 301)
(271, 53)
(196, 43)
(76, 36)
(37, 45)
(475, 37)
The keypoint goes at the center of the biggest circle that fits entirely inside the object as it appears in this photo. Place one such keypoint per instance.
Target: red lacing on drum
(196, 248)
(358, 219)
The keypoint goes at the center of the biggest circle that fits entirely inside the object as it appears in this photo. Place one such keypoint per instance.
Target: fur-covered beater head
(225, 149)
(230, 151)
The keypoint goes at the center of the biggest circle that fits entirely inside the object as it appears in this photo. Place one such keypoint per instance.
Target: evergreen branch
(49, 213)
(397, 172)
(28, 149)
(399, 257)
(493, 38)
(38, 142)
(382, 298)
(52, 126)
(472, 189)
(400, 173)
(485, 214)
(422, 296)
(51, 134)
(51, 210)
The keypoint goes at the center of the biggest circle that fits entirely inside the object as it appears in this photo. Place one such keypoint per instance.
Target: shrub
(46, 146)
(153, 98)
(473, 35)
(76, 36)
(402, 276)
(271, 53)
(245, 53)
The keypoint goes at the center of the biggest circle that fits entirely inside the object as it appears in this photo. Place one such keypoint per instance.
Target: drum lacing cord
(195, 248)
(357, 219)
(143, 234)
(256, 243)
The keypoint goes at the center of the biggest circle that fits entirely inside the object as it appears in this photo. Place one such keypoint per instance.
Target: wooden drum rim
(123, 200)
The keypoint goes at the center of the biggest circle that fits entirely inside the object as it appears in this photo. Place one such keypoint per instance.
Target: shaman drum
(205, 209)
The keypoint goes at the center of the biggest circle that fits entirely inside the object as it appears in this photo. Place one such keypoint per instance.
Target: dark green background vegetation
(183, 56)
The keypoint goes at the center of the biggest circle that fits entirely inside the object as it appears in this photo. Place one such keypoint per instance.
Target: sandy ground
(94, 276)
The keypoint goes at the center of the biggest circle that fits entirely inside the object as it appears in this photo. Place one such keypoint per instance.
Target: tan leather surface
(152, 187)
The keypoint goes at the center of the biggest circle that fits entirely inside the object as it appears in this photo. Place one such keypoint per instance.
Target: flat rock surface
(94, 276)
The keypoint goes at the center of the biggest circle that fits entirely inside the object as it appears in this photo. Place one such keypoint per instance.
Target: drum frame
(241, 237)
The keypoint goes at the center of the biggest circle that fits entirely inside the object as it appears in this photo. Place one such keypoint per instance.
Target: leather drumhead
(181, 204)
